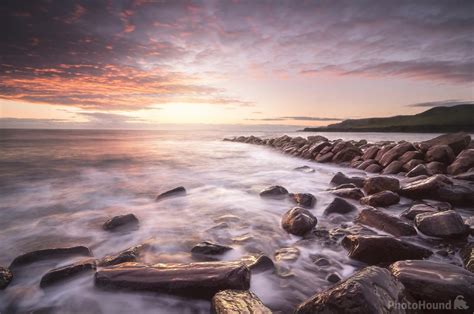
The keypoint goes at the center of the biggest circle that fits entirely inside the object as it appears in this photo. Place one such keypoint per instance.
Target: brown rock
(238, 302)
(339, 206)
(377, 184)
(209, 248)
(5, 277)
(347, 154)
(370, 152)
(441, 153)
(67, 272)
(363, 165)
(39, 255)
(416, 209)
(463, 162)
(340, 178)
(445, 224)
(128, 255)
(410, 155)
(395, 152)
(128, 221)
(355, 194)
(303, 199)
(327, 157)
(393, 168)
(375, 168)
(376, 218)
(382, 199)
(298, 221)
(418, 171)
(383, 151)
(412, 164)
(457, 141)
(275, 192)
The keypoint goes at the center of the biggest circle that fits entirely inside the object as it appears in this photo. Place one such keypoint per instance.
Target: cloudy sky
(154, 63)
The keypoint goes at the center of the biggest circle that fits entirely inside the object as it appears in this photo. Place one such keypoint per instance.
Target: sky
(152, 64)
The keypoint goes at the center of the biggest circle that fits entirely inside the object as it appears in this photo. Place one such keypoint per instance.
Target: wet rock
(456, 141)
(393, 168)
(305, 169)
(121, 222)
(467, 255)
(470, 223)
(370, 153)
(333, 278)
(39, 255)
(347, 154)
(378, 219)
(408, 166)
(435, 167)
(340, 178)
(375, 250)
(369, 290)
(258, 263)
(287, 254)
(432, 281)
(5, 277)
(327, 157)
(365, 164)
(416, 209)
(317, 138)
(209, 248)
(355, 194)
(462, 163)
(418, 171)
(344, 186)
(374, 168)
(468, 176)
(303, 199)
(395, 152)
(339, 206)
(128, 255)
(200, 280)
(60, 274)
(383, 150)
(238, 302)
(298, 221)
(321, 261)
(179, 191)
(410, 155)
(275, 192)
(446, 224)
(441, 153)
(381, 199)
(380, 183)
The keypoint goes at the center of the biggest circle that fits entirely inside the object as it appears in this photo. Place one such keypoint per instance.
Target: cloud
(297, 118)
(442, 103)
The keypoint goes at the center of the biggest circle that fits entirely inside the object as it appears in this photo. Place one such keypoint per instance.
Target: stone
(128, 255)
(304, 169)
(209, 248)
(298, 221)
(287, 254)
(369, 290)
(44, 254)
(176, 192)
(238, 302)
(317, 138)
(306, 200)
(381, 199)
(463, 162)
(435, 167)
(60, 274)
(456, 141)
(121, 222)
(383, 150)
(393, 168)
(419, 170)
(259, 263)
(352, 193)
(410, 155)
(327, 157)
(347, 154)
(374, 168)
(366, 163)
(467, 255)
(395, 152)
(339, 206)
(199, 280)
(344, 186)
(381, 250)
(5, 277)
(416, 209)
(370, 153)
(376, 218)
(333, 278)
(408, 166)
(468, 176)
(445, 224)
(340, 178)
(275, 192)
(377, 184)
(441, 153)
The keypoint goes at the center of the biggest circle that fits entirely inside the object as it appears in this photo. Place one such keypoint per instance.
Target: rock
(374, 168)
(378, 219)
(380, 183)
(419, 170)
(258, 263)
(339, 206)
(238, 302)
(321, 261)
(441, 153)
(121, 222)
(318, 147)
(468, 176)
(39, 255)
(179, 191)
(275, 192)
(67, 272)
(457, 141)
(344, 186)
(411, 155)
(462, 163)
(298, 221)
(470, 223)
(383, 150)
(340, 178)
(355, 194)
(209, 248)
(467, 255)
(416, 209)
(412, 164)
(435, 167)
(5, 277)
(395, 152)
(200, 280)
(347, 154)
(327, 157)
(373, 250)
(365, 164)
(381, 199)
(317, 138)
(305, 169)
(287, 254)
(445, 224)
(370, 153)
(437, 282)
(128, 255)
(333, 278)
(393, 168)
(370, 290)
(303, 199)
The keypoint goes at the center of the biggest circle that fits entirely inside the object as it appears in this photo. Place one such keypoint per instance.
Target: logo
(422, 305)
(460, 304)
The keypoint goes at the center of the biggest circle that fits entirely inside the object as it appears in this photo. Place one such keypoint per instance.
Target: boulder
(199, 280)
(275, 192)
(374, 168)
(128, 255)
(305, 169)
(377, 184)
(121, 222)
(344, 186)
(340, 178)
(416, 209)
(383, 150)
(327, 157)
(468, 176)
(374, 250)
(318, 147)
(366, 163)
(370, 152)
(408, 166)
(381, 199)
(370, 290)
(352, 193)
(441, 153)
(411, 155)
(316, 138)
(462, 163)
(39, 255)
(445, 224)
(209, 248)
(179, 191)
(339, 206)
(5, 277)
(435, 167)
(376, 218)
(298, 221)
(303, 199)
(347, 154)
(259, 263)
(393, 168)
(60, 274)
(456, 141)
(395, 152)
(238, 302)
(419, 170)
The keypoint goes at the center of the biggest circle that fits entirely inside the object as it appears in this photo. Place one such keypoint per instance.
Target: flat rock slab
(128, 255)
(176, 192)
(377, 184)
(121, 222)
(371, 290)
(60, 274)
(39, 255)
(238, 302)
(209, 248)
(5, 277)
(381, 199)
(199, 280)
(378, 219)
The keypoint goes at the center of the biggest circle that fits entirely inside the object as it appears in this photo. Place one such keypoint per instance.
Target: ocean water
(58, 187)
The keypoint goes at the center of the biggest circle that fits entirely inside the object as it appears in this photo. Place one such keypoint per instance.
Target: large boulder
(445, 224)
(395, 152)
(435, 167)
(381, 183)
(393, 168)
(416, 209)
(411, 155)
(419, 170)
(340, 178)
(347, 154)
(121, 222)
(201, 280)
(383, 250)
(381, 199)
(60, 274)
(441, 153)
(339, 206)
(457, 142)
(370, 152)
(44, 254)
(303, 199)
(369, 291)
(463, 162)
(5, 277)
(176, 192)
(378, 219)
(298, 221)
(275, 192)
(238, 302)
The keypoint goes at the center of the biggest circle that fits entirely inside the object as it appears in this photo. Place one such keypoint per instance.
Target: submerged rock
(303, 199)
(238, 302)
(209, 248)
(382, 199)
(381, 183)
(467, 255)
(179, 191)
(275, 192)
(67, 272)
(339, 206)
(378, 219)
(298, 221)
(340, 178)
(287, 254)
(5, 277)
(128, 255)
(39, 255)
(258, 263)
(121, 222)
(445, 224)
(305, 169)
(352, 193)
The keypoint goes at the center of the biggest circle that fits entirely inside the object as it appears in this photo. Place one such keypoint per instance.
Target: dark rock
(393, 168)
(258, 263)
(339, 206)
(305, 169)
(375, 250)
(435, 167)
(355, 194)
(416, 209)
(347, 154)
(39, 255)
(298, 221)
(445, 224)
(5, 277)
(327, 157)
(67, 272)
(383, 150)
(410, 155)
(457, 141)
(468, 176)
(467, 255)
(370, 153)
(382, 199)
(179, 191)
(287, 254)
(441, 153)
(128, 221)
(333, 278)
(380, 183)
(340, 178)
(128, 255)
(437, 282)
(378, 219)
(408, 166)
(463, 162)
(374, 168)
(316, 148)
(209, 248)
(237, 302)
(344, 186)
(321, 262)
(317, 138)
(395, 152)
(274, 191)
(200, 280)
(369, 290)
(365, 164)
(303, 199)
(418, 171)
